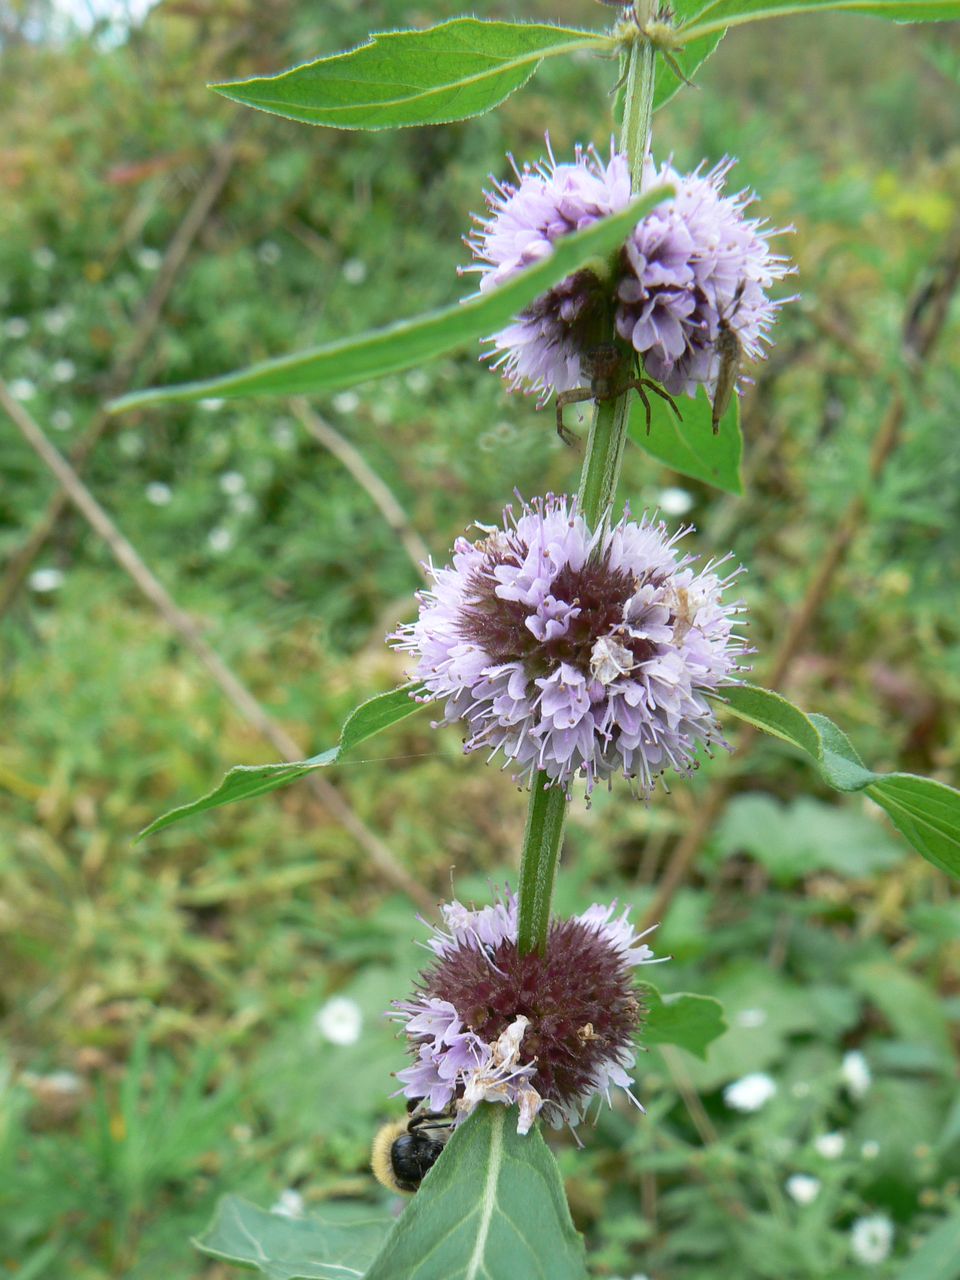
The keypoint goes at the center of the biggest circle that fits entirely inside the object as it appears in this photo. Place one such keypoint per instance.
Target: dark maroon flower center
(579, 997)
(499, 626)
(578, 310)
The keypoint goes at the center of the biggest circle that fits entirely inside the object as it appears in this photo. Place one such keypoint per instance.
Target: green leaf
(938, 1258)
(336, 1244)
(410, 342)
(492, 1206)
(689, 446)
(689, 1021)
(245, 781)
(925, 811)
(716, 15)
(458, 69)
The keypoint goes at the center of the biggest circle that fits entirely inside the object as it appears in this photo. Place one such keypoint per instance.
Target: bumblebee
(404, 1151)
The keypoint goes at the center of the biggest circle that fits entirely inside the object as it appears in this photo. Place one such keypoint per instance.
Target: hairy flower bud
(548, 1031)
(575, 651)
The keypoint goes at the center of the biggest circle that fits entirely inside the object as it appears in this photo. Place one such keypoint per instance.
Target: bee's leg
(659, 391)
(576, 396)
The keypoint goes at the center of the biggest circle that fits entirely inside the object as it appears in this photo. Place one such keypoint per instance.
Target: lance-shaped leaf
(925, 811)
(338, 1243)
(689, 445)
(458, 69)
(411, 342)
(493, 1205)
(244, 781)
(688, 1021)
(715, 16)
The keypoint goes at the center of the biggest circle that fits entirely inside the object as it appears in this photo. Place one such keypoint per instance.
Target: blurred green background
(201, 1012)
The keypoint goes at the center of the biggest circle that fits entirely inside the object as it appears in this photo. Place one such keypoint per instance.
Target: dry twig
(367, 478)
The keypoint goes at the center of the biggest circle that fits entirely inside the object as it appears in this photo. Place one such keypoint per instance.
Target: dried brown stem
(143, 330)
(184, 626)
(378, 490)
(936, 305)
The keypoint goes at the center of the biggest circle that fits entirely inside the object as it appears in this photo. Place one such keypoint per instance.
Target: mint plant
(575, 642)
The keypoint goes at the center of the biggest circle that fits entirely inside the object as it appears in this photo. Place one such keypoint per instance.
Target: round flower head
(575, 651)
(541, 351)
(690, 264)
(548, 1032)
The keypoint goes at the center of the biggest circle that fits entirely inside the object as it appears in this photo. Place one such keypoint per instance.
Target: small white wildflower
(232, 482)
(855, 1073)
(22, 389)
(16, 327)
(149, 259)
(44, 258)
(243, 504)
(870, 1149)
(159, 494)
(346, 402)
(340, 1020)
(675, 502)
(61, 419)
(354, 271)
(211, 404)
(43, 580)
(802, 1188)
(871, 1239)
(57, 319)
(220, 540)
(830, 1145)
(750, 1017)
(750, 1093)
(269, 253)
(63, 371)
(289, 1205)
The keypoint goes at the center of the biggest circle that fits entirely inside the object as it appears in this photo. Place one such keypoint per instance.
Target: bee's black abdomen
(412, 1156)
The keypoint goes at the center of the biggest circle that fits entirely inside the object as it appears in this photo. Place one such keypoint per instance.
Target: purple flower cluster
(548, 1032)
(575, 651)
(691, 263)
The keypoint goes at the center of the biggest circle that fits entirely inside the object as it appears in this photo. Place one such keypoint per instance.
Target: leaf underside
(337, 1244)
(493, 1206)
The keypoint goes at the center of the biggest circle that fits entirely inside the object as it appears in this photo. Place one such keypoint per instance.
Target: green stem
(598, 486)
(538, 867)
(601, 468)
